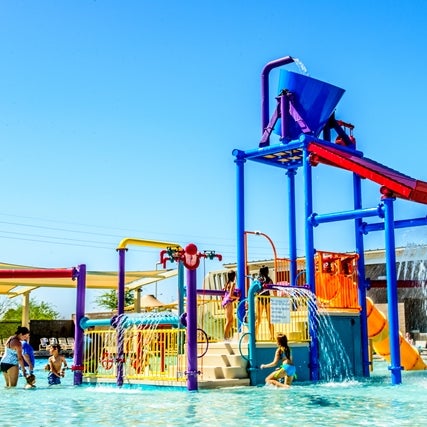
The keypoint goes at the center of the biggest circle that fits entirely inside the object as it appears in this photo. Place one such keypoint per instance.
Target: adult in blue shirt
(28, 355)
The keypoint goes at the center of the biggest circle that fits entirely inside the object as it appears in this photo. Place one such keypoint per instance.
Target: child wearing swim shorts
(287, 370)
(56, 365)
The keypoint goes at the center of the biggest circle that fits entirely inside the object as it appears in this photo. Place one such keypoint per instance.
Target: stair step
(212, 373)
(223, 361)
(223, 372)
(211, 384)
(226, 348)
(235, 372)
(236, 360)
(216, 360)
(221, 348)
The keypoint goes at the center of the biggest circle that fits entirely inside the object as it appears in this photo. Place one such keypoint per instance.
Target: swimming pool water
(365, 402)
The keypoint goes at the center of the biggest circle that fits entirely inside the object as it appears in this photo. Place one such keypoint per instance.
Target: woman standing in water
(12, 358)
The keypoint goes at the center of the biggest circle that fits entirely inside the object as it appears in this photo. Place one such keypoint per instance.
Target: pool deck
(44, 354)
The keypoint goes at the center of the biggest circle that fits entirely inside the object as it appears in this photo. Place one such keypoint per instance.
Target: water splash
(334, 361)
(412, 264)
(301, 67)
(335, 364)
(412, 267)
(139, 339)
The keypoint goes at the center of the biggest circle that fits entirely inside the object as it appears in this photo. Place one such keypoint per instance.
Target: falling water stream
(302, 68)
(335, 362)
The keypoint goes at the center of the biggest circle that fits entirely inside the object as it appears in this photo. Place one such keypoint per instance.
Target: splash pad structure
(161, 348)
(168, 338)
(304, 110)
(314, 287)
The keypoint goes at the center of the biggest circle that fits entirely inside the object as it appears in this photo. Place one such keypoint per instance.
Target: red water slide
(398, 184)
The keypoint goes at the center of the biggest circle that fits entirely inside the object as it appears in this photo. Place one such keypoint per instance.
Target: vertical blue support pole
(309, 235)
(392, 297)
(120, 312)
(292, 227)
(192, 330)
(309, 259)
(253, 368)
(240, 189)
(360, 249)
(78, 331)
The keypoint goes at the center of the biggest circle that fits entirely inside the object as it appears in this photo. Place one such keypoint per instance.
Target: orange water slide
(378, 332)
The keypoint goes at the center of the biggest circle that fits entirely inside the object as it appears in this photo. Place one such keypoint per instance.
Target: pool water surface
(364, 402)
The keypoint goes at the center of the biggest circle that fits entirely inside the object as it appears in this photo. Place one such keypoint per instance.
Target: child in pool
(56, 365)
(31, 381)
(286, 369)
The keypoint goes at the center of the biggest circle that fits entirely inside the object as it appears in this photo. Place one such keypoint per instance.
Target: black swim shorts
(4, 367)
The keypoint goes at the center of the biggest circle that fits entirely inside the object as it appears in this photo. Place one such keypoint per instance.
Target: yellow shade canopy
(94, 280)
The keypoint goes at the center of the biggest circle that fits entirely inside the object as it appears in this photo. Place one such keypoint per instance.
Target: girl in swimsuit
(264, 302)
(227, 303)
(12, 358)
(286, 369)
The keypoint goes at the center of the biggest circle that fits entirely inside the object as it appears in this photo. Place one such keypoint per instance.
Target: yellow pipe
(151, 243)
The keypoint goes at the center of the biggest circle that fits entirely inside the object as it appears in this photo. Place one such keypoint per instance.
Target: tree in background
(5, 304)
(11, 317)
(38, 311)
(109, 299)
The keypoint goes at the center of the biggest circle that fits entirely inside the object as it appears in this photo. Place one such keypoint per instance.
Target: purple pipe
(284, 113)
(120, 312)
(265, 89)
(215, 292)
(80, 273)
(121, 284)
(192, 330)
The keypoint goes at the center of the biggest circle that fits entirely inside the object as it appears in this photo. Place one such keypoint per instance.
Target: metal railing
(336, 280)
(211, 317)
(154, 354)
(296, 329)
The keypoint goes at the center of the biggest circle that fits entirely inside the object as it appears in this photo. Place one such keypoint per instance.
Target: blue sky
(118, 119)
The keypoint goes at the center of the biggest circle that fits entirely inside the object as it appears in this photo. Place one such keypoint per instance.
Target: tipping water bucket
(313, 99)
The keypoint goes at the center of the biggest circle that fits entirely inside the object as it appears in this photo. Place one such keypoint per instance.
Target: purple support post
(192, 330)
(120, 312)
(121, 284)
(78, 331)
(265, 89)
(284, 113)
